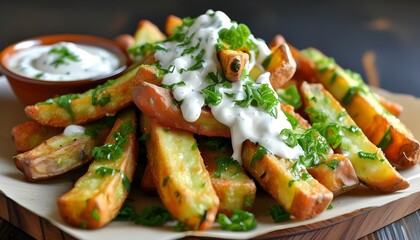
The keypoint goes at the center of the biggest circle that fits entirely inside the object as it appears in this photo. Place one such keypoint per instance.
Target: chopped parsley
(150, 216)
(113, 151)
(290, 96)
(386, 139)
(153, 216)
(261, 96)
(126, 213)
(146, 49)
(39, 75)
(93, 130)
(314, 146)
(100, 96)
(63, 56)
(239, 221)
(258, 155)
(279, 214)
(181, 83)
(110, 171)
(224, 163)
(333, 164)
(235, 38)
(216, 144)
(288, 137)
(367, 155)
(144, 137)
(63, 101)
(95, 214)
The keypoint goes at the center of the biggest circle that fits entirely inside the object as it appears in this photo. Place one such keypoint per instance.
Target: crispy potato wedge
(233, 63)
(172, 22)
(62, 153)
(157, 103)
(301, 198)
(232, 185)
(98, 195)
(147, 32)
(280, 64)
(391, 106)
(369, 162)
(30, 134)
(336, 174)
(382, 128)
(147, 184)
(93, 104)
(180, 176)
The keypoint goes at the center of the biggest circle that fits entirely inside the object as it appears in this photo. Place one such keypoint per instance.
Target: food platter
(40, 198)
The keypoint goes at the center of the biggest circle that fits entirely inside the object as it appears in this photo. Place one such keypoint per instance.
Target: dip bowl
(32, 90)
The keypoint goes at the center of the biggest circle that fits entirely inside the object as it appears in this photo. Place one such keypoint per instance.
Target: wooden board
(349, 226)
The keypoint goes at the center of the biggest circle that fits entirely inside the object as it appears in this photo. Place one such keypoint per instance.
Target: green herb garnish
(126, 213)
(63, 55)
(239, 221)
(146, 49)
(261, 96)
(223, 163)
(333, 164)
(100, 96)
(153, 216)
(113, 151)
(235, 38)
(258, 155)
(279, 214)
(95, 214)
(367, 155)
(288, 137)
(290, 96)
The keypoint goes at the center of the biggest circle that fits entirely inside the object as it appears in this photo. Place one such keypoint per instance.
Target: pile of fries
(189, 163)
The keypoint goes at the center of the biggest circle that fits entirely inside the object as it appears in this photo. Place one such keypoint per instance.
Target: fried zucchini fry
(98, 195)
(30, 134)
(369, 162)
(232, 185)
(302, 198)
(180, 176)
(157, 103)
(93, 104)
(382, 128)
(62, 153)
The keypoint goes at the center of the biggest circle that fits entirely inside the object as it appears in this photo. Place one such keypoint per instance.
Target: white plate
(40, 198)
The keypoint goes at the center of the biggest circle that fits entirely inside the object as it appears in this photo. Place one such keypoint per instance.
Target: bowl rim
(86, 39)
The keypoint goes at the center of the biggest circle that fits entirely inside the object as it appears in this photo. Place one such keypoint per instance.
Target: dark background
(345, 30)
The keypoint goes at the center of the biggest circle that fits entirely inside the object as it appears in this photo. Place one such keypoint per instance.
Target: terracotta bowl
(31, 90)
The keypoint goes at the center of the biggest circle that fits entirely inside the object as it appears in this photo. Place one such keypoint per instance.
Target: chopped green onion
(288, 137)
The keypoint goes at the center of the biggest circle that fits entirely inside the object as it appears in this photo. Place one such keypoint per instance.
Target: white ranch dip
(189, 63)
(63, 61)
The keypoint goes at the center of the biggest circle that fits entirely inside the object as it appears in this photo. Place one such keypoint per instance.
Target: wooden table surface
(401, 220)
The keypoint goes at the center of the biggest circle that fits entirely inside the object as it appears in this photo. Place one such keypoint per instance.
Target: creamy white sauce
(245, 123)
(72, 129)
(42, 63)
